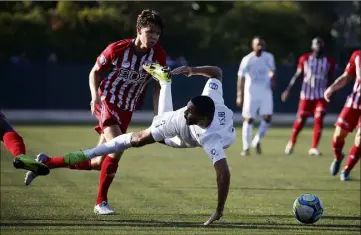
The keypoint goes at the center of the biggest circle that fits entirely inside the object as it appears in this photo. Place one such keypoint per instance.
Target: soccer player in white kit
(205, 122)
(256, 78)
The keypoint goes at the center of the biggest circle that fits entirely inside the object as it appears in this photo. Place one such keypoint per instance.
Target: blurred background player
(117, 97)
(349, 118)
(317, 70)
(256, 78)
(14, 143)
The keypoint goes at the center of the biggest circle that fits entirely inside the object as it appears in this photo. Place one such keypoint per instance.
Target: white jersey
(219, 135)
(256, 72)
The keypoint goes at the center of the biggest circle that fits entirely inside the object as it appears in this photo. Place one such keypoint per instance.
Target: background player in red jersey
(317, 69)
(349, 118)
(14, 143)
(117, 97)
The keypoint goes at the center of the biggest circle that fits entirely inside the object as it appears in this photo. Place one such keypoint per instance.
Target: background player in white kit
(205, 122)
(256, 78)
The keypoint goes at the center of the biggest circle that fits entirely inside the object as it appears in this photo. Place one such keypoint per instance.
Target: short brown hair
(149, 17)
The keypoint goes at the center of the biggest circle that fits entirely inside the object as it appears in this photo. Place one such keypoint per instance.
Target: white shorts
(162, 128)
(261, 103)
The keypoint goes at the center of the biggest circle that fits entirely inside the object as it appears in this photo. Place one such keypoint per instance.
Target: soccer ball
(308, 208)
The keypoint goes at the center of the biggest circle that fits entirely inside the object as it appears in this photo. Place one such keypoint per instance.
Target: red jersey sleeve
(351, 66)
(301, 60)
(105, 59)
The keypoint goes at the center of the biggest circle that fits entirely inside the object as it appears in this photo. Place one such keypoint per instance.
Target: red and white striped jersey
(353, 68)
(315, 75)
(126, 82)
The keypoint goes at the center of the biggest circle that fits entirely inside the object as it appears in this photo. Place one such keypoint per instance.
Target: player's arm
(241, 81)
(294, 78)
(102, 63)
(206, 71)
(215, 152)
(272, 71)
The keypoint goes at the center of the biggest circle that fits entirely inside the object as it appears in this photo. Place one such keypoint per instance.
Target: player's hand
(93, 105)
(239, 101)
(328, 93)
(185, 70)
(215, 216)
(285, 95)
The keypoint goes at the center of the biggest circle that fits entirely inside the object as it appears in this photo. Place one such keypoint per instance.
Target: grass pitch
(159, 190)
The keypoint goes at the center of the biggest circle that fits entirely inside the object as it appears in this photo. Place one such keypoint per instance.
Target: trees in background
(220, 32)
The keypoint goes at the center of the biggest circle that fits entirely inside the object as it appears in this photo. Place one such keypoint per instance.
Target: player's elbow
(218, 73)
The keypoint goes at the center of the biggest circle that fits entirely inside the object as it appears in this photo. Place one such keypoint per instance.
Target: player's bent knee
(267, 118)
(339, 133)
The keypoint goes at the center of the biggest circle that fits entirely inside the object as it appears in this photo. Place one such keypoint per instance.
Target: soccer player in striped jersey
(317, 70)
(117, 97)
(349, 118)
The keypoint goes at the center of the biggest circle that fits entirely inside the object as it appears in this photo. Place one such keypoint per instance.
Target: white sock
(165, 102)
(119, 143)
(246, 134)
(262, 129)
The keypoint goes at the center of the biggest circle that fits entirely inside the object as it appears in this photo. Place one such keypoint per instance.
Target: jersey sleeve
(351, 66)
(243, 67)
(301, 60)
(212, 146)
(104, 60)
(214, 90)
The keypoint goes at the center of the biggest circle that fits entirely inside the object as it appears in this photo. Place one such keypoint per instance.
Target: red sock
(337, 148)
(317, 131)
(353, 157)
(297, 127)
(107, 173)
(58, 162)
(14, 143)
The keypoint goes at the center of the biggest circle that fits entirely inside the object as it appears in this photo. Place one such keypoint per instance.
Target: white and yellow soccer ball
(308, 208)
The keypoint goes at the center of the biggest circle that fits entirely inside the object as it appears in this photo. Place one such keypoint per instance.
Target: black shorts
(5, 126)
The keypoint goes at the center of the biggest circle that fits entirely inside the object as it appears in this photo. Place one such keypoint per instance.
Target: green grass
(159, 190)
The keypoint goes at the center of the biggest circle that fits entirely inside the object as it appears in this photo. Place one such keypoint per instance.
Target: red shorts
(349, 119)
(110, 115)
(307, 108)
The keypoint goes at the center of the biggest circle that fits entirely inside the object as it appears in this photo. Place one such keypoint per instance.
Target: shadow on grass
(95, 223)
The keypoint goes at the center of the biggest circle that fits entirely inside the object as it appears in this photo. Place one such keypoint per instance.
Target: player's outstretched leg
(28, 163)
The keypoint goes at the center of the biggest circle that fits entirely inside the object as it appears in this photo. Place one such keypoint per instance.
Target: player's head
(149, 27)
(258, 44)
(317, 45)
(200, 111)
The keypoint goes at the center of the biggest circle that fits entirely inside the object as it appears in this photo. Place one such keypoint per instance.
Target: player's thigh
(266, 106)
(250, 107)
(176, 142)
(320, 108)
(164, 126)
(305, 108)
(348, 119)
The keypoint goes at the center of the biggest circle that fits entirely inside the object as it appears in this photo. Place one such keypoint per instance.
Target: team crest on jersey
(102, 60)
(213, 86)
(213, 152)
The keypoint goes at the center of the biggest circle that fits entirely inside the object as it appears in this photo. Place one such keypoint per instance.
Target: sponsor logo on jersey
(213, 86)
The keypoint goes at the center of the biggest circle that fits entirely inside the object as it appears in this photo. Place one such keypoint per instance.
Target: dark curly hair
(149, 17)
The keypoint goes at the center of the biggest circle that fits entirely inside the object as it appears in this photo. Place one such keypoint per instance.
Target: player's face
(258, 44)
(317, 45)
(149, 36)
(190, 114)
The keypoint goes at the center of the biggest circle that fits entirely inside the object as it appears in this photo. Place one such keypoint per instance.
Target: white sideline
(84, 116)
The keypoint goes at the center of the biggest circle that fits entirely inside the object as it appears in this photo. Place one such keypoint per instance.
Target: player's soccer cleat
(314, 152)
(103, 209)
(158, 72)
(73, 158)
(258, 148)
(345, 176)
(335, 166)
(289, 148)
(30, 176)
(245, 152)
(28, 163)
